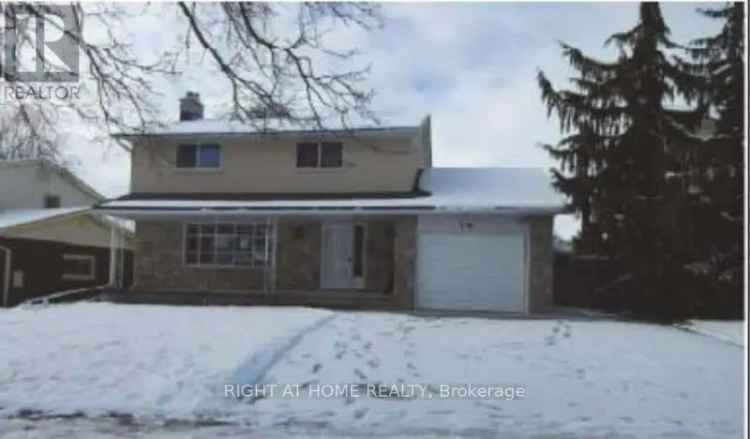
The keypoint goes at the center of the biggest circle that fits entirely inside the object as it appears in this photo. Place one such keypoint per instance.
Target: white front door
(337, 259)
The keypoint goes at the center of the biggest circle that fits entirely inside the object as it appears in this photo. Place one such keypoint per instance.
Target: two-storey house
(357, 218)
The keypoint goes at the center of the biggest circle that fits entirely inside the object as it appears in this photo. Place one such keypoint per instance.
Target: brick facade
(389, 255)
(391, 252)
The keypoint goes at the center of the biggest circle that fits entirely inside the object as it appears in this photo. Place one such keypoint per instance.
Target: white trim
(6, 279)
(78, 257)
(136, 213)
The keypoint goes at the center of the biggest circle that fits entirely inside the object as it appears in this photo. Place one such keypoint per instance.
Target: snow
(145, 360)
(451, 189)
(730, 331)
(581, 378)
(261, 126)
(17, 217)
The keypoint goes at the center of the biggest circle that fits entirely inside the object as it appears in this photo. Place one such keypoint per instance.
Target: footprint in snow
(359, 374)
(316, 368)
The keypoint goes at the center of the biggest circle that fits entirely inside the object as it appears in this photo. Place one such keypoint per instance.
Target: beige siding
(386, 162)
(25, 186)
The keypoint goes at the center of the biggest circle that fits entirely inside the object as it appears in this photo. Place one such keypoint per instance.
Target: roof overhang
(153, 212)
(379, 132)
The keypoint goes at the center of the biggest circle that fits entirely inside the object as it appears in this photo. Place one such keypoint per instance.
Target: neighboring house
(355, 218)
(50, 240)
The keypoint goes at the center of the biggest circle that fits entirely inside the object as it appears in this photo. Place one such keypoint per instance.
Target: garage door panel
(471, 271)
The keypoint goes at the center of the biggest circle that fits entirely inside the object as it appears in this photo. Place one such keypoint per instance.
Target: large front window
(227, 245)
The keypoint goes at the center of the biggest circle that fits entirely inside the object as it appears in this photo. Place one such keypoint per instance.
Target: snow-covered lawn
(568, 378)
(730, 331)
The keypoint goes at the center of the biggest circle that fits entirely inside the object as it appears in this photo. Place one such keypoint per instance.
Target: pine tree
(625, 142)
(718, 171)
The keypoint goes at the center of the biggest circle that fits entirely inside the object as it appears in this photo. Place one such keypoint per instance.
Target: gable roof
(63, 172)
(439, 190)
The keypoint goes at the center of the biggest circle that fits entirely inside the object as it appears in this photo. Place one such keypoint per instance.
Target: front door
(337, 259)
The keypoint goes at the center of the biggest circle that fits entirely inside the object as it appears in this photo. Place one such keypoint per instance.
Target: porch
(332, 261)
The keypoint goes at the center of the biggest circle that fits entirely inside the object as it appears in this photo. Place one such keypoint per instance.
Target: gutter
(334, 210)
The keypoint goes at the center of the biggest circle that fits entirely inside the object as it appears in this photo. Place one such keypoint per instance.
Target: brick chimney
(191, 107)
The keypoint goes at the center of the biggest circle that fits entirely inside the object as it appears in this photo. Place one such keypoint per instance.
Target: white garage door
(471, 271)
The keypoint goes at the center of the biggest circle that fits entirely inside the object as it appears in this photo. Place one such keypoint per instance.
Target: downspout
(6, 278)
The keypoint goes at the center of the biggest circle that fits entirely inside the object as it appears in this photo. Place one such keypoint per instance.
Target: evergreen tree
(717, 176)
(625, 142)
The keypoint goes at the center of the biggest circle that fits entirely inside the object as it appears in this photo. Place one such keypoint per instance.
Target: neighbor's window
(51, 201)
(79, 267)
(319, 155)
(227, 245)
(198, 156)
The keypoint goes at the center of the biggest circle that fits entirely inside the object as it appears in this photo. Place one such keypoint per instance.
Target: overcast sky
(472, 66)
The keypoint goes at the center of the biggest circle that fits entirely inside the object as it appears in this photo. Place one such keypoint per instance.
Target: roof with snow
(439, 190)
(10, 218)
(263, 127)
(18, 217)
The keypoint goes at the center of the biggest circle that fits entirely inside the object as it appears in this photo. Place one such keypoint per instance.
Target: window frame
(319, 146)
(254, 263)
(197, 157)
(90, 276)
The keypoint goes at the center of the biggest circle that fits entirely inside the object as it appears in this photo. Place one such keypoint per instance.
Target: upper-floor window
(198, 156)
(51, 201)
(319, 155)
